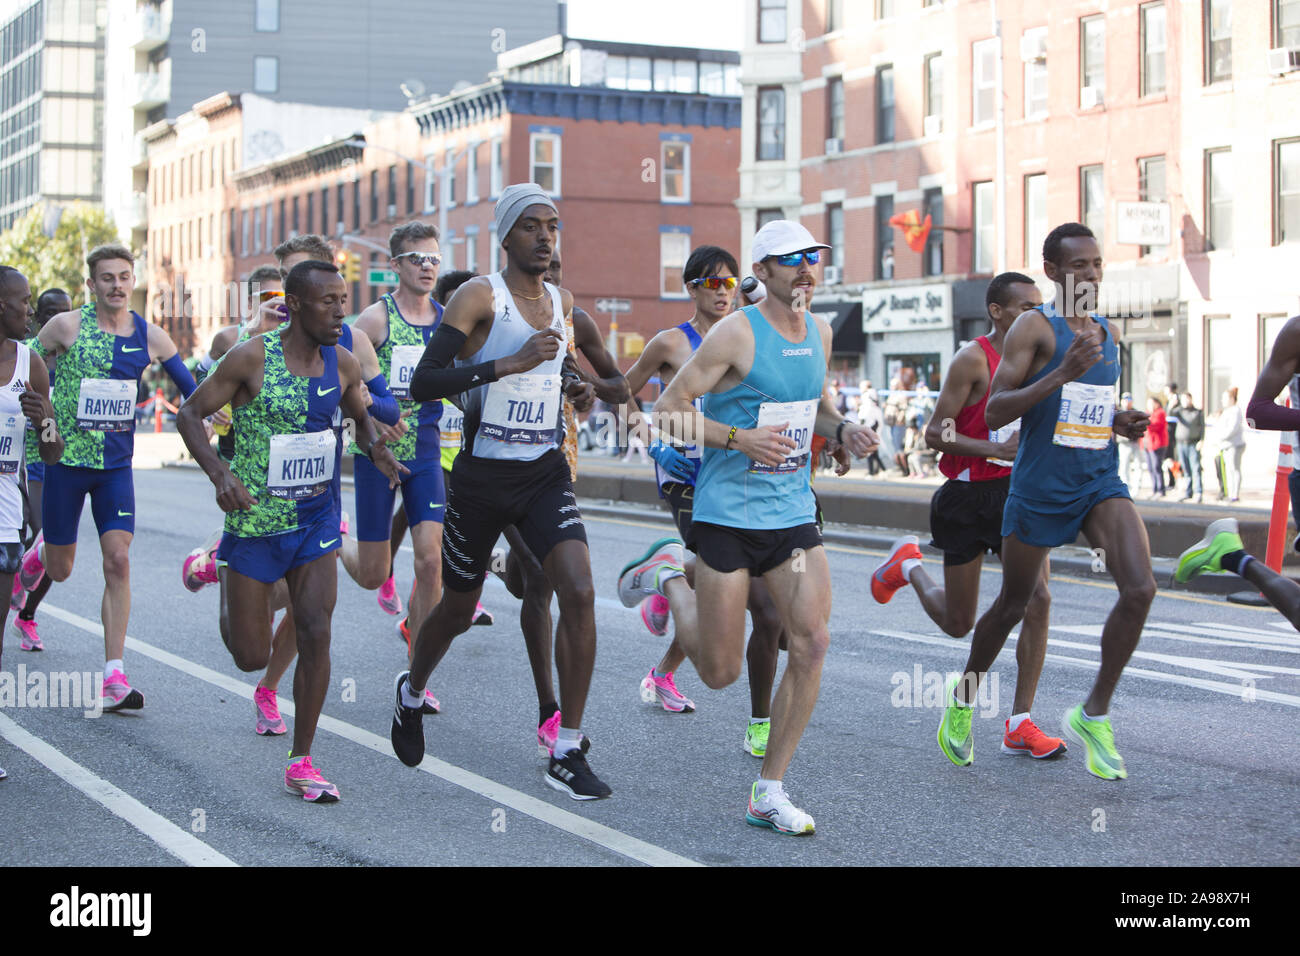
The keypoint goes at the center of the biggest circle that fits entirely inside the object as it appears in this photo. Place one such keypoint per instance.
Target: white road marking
(183, 845)
(597, 833)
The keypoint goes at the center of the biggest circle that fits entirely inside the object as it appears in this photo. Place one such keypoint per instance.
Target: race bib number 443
(1085, 416)
(405, 359)
(522, 409)
(106, 405)
(301, 466)
(801, 417)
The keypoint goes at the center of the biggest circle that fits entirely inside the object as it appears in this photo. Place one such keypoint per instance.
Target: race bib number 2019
(801, 416)
(106, 405)
(1085, 416)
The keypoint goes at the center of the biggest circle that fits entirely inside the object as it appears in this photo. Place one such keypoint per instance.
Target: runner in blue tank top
(710, 276)
(1058, 375)
(762, 374)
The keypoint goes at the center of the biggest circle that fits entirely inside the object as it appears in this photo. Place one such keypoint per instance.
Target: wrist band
(839, 431)
(731, 436)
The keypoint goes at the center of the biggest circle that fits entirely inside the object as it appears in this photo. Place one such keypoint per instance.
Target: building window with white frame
(1286, 23)
(430, 183)
(544, 161)
(449, 177)
(471, 173)
(835, 236)
(1092, 200)
(885, 104)
(675, 171)
(771, 21)
(771, 123)
(674, 248)
(1035, 218)
(266, 74)
(257, 230)
(471, 251)
(266, 17)
(494, 250)
(982, 259)
(983, 80)
(1286, 189)
(933, 122)
(835, 109)
(1151, 188)
(495, 174)
(1218, 199)
(1217, 31)
(1151, 21)
(1031, 42)
(1092, 60)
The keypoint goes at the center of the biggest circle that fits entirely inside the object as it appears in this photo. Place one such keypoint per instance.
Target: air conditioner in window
(1090, 97)
(833, 147)
(932, 125)
(831, 275)
(1284, 59)
(392, 210)
(1033, 47)
(338, 229)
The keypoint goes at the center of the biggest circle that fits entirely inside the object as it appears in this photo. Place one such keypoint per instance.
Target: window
(1092, 57)
(1153, 48)
(495, 173)
(1220, 349)
(448, 247)
(1286, 189)
(884, 9)
(266, 18)
(430, 184)
(983, 80)
(835, 109)
(544, 168)
(339, 206)
(1151, 188)
(771, 21)
(471, 174)
(1092, 200)
(1035, 218)
(675, 172)
(295, 226)
(270, 228)
(638, 73)
(1269, 327)
(1218, 199)
(410, 188)
(674, 247)
(266, 74)
(494, 253)
(356, 204)
(932, 258)
(835, 235)
(1035, 73)
(257, 230)
(834, 15)
(1286, 23)
(982, 260)
(885, 104)
(933, 93)
(449, 177)
(374, 195)
(392, 191)
(325, 210)
(1218, 41)
(765, 216)
(243, 233)
(884, 237)
(471, 252)
(283, 232)
(771, 122)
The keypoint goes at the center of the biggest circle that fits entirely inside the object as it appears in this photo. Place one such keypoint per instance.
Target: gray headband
(514, 200)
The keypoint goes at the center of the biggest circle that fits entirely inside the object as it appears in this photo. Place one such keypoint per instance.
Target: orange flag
(915, 231)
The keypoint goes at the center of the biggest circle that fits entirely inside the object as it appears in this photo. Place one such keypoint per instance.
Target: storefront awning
(845, 320)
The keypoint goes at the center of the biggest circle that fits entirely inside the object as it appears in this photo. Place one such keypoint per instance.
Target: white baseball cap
(782, 237)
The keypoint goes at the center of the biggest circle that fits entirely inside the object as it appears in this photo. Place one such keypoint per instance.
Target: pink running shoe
(18, 596)
(547, 733)
(654, 614)
(388, 597)
(199, 568)
(431, 704)
(343, 523)
(665, 691)
(31, 571)
(482, 616)
(301, 778)
(31, 641)
(119, 695)
(269, 721)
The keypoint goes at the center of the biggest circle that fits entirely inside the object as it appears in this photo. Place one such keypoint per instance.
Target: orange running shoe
(889, 577)
(1028, 739)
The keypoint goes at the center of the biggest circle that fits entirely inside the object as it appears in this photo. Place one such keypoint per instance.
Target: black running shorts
(681, 502)
(966, 518)
(731, 549)
(487, 494)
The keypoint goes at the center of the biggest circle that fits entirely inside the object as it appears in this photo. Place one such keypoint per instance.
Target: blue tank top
(727, 490)
(692, 451)
(1046, 470)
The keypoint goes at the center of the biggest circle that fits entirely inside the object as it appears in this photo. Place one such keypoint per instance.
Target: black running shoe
(571, 775)
(407, 733)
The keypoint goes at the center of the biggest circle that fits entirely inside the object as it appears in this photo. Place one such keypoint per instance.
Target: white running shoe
(774, 810)
(644, 577)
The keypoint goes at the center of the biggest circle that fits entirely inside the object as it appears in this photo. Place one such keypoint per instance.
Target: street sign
(381, 277)
(614, 306)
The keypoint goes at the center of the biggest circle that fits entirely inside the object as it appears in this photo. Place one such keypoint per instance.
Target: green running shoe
(1221, 538)
(756, 738)
(1096, 736)
(955, 738)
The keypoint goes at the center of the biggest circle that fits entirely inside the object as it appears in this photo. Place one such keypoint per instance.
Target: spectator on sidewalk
(1154, 443)
(869, 415)
(1126, 448)
(1189, 432)
(1230, 437)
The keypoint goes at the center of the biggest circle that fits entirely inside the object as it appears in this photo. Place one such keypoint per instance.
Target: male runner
(966, 515)
(103, 349)
(506, 335)
(710, 276)
(286, 387)
(1282, 371)
(1058, 375)
(49, 304)
(24, 399)
(763, 370)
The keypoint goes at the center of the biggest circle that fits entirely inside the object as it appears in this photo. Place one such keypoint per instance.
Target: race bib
(449, 426)
(998, 435)
(801, 417)
(12, 443)
(1084, 420)
(301, 466)
(405, 359)
(522, 409)
(106, 405)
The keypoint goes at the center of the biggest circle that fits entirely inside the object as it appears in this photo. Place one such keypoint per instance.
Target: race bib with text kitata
(301, 466)
(522, 409)
(801, 417)
(405, 359)
(1085, 416)
(106, 405)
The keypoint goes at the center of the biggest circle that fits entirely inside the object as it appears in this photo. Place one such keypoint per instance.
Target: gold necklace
(530, 298)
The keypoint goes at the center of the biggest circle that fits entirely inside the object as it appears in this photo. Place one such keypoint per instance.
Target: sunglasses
(714, 282)
(266, 295)
(420, 259)
(812, 257)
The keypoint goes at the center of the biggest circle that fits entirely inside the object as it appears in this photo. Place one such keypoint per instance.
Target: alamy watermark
(79, 690)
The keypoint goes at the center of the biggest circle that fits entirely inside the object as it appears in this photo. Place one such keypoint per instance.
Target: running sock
(1015, 721)
(1086, 716)
(111, 666)
(654, 671)
(567, 739)
(759, 720)
(1234, 561)
(909, 565)
(547, 711)
(409, 697)
(666, 574)
(34, 598)
(294, 758)
(768, 786)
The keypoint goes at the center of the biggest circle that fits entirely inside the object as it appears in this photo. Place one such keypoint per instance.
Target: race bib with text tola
(522, 409)
(1085, 416)
(801, 417)
(106, 405)
(405, 359)
(301, 466)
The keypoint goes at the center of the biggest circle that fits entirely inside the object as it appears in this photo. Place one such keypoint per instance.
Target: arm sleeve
(179, 374)
(384, 406)
(436, 377)
(1272, 417)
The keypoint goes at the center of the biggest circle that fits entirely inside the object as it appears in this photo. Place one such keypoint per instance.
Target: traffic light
(341, 261)
(349, 264)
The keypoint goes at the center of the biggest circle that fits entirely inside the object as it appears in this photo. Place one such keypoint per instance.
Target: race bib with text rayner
(106, 405)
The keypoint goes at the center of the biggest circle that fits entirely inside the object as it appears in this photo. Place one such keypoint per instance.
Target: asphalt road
(1200, 718)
